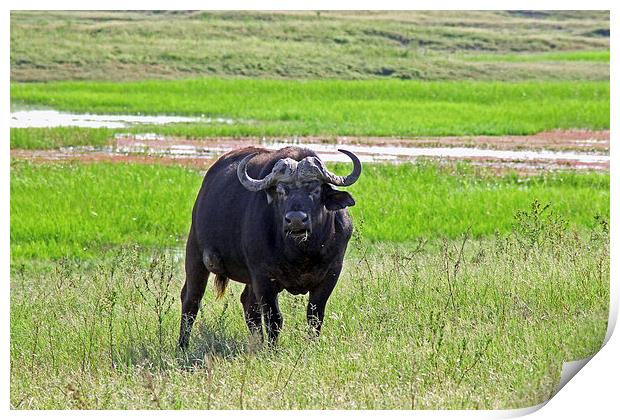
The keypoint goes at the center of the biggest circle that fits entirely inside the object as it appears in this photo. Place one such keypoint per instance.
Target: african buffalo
(273, 221)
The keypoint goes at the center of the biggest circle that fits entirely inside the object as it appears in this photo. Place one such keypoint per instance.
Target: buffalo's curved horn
(281, 170)
(344, 181)
(247, 181)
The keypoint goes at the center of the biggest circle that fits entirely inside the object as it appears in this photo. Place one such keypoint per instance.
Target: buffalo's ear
(336, 200)
(271, 194)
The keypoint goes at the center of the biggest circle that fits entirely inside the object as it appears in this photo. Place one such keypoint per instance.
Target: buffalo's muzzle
(296, 222)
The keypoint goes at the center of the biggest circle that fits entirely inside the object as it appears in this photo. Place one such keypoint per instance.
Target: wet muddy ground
(560, 149)
(572, 149)
(27, 118)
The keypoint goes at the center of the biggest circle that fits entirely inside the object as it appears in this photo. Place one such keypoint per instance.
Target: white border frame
(594, 390)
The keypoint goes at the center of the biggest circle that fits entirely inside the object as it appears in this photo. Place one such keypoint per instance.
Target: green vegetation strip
(56, 137)
(79, 209)
(551, 56)
(332, 107)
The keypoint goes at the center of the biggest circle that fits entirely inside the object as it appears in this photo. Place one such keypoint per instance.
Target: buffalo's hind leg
(196, 276)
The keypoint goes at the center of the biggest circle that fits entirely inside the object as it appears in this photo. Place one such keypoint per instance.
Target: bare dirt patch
(104, 156)
(557, 140)
(554, 150)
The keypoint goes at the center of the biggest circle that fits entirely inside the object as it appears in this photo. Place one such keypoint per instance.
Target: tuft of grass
(75, 209)
(336, 107)
(444, 324)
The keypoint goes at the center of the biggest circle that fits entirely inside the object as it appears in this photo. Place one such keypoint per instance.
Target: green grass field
(419, 45)
(456, 323)
(378, 108)
(405, 334)
(80, 209)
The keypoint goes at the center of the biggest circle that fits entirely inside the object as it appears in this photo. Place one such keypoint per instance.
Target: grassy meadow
(462, 288)
(408, 327)
(470, 288)
(416, 45)
(299, 73)
(325, 107)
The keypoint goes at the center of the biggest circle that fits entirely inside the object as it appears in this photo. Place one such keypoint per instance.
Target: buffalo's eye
(281, 189)
(314, 191)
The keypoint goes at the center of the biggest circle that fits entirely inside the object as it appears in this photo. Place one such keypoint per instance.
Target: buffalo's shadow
(208, 343)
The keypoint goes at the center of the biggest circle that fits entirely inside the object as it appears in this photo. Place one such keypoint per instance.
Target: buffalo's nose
(296, 219)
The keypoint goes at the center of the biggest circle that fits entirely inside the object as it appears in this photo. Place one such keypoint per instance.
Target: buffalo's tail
(221, 281)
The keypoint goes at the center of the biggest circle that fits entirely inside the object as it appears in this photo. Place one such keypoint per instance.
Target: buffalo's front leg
(252, 312)
(318, 299)
(266, 295)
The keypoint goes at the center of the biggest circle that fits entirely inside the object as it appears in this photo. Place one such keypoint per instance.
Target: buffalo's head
(302, 192)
